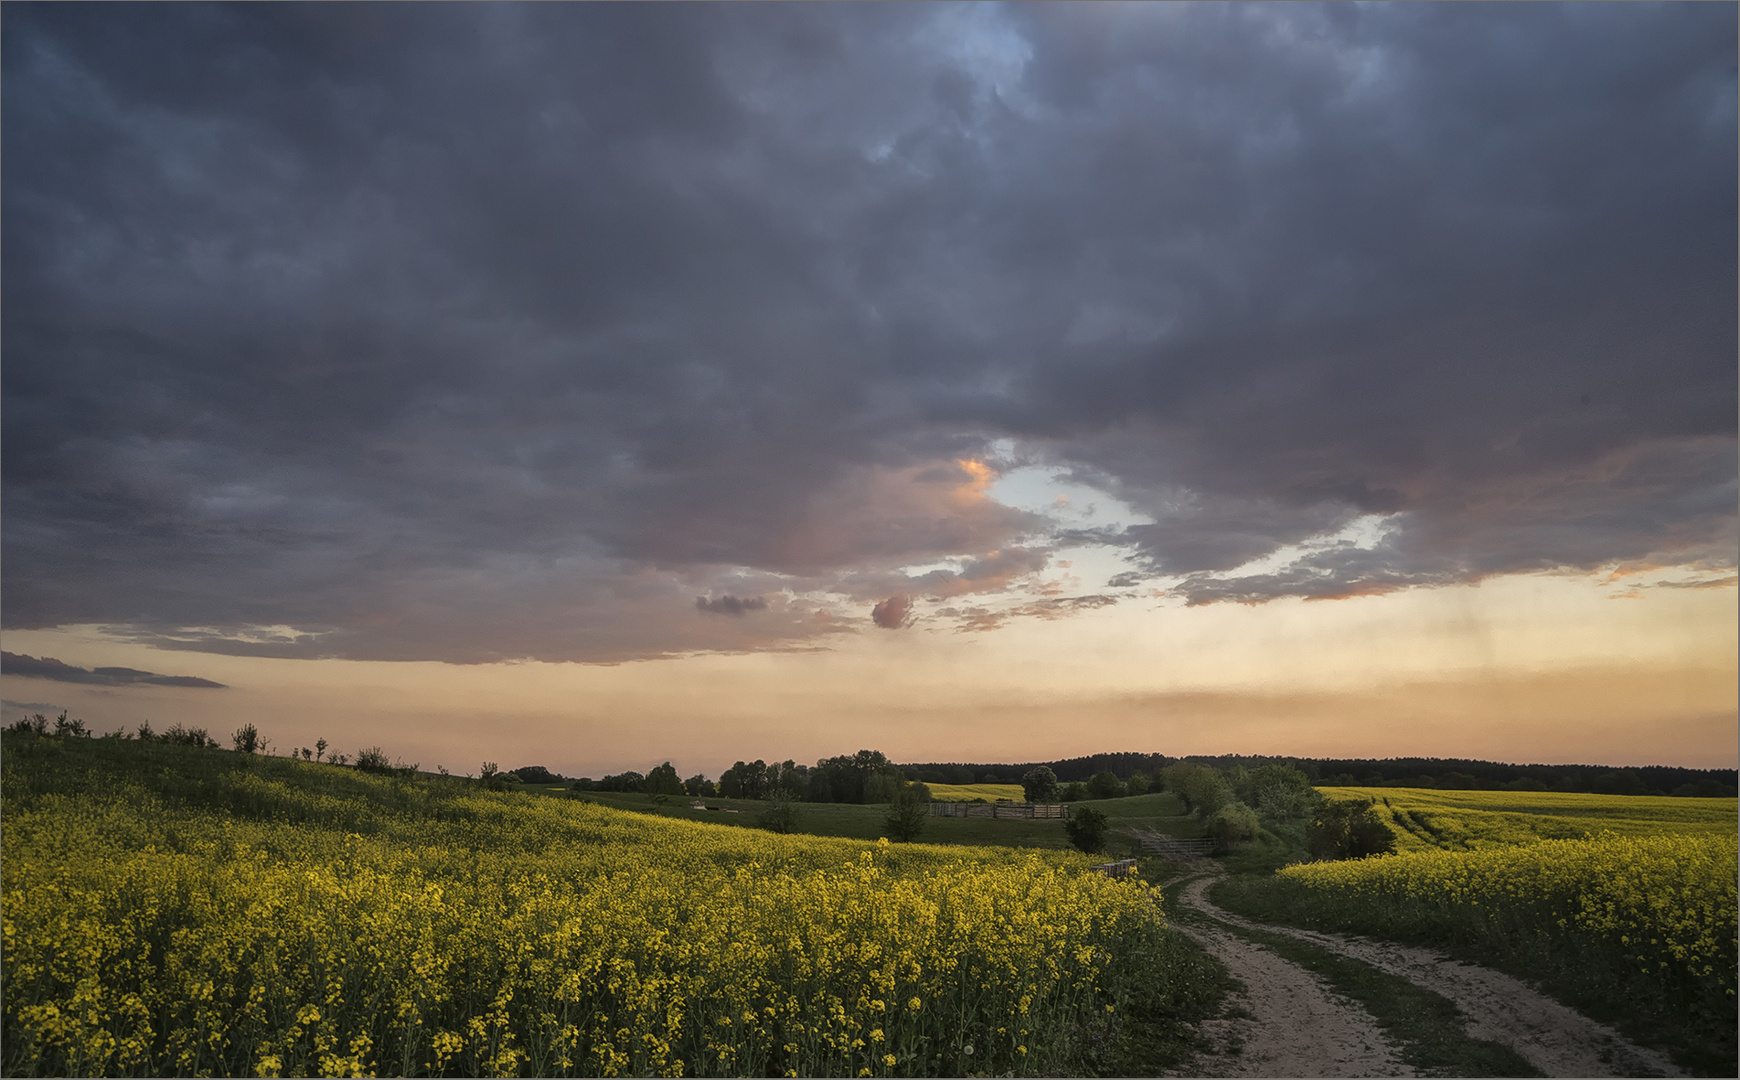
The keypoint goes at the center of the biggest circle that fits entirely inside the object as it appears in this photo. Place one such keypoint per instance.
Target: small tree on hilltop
(246, 739)
(1086, 828)
(908, 813)
(1040, 785)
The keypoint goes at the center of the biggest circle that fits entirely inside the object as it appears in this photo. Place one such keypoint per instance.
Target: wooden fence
(1121, 868)
(1179, 849)
(1001, 810)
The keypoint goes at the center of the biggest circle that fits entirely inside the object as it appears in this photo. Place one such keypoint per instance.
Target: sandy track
(1553, 1037)
(1295, 1025)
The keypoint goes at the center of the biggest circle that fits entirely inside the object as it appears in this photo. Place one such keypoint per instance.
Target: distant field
(1161, 813)
(969, 792)
(1427, 819)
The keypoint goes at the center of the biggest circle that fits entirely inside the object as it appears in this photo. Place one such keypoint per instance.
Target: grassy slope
(864, 822)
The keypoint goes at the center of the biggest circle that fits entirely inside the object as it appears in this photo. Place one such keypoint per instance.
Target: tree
(1104, 785)
(1349, 830)
(1202, 790)
(845, 778)
(883, 785)
(1086, 828)
(1277, 792)
(908, 813)
(662, 781)
(536, 774)
(1040, 785)
(700, 787)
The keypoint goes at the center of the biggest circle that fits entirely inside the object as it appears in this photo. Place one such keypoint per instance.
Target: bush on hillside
(1086, 828)
(1232, 823)
(908, 813)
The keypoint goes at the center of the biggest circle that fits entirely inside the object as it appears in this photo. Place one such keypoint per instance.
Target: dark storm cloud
(47, 667)
(477, 332)
(730, 605)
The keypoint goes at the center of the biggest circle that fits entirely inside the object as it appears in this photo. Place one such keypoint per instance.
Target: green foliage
(1349, 830)
(190, 736)
(1203, 790)
(781, 814)
(662, 781)
(1232, 823)
(491, 777)
(1275, 792)
(1040, 785)
(908, 813)
(1104, 785)
(1086, 828)
(246, 739)
(34, 724)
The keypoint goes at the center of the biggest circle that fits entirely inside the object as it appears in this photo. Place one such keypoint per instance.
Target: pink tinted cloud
(892, 613)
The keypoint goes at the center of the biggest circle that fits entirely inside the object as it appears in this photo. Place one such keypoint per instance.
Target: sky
(590, 385)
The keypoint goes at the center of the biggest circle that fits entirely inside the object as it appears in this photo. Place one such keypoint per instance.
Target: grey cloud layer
(468, 332)
(47, 667)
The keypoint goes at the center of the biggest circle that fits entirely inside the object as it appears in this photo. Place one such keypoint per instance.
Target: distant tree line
(864, 777)
(1097, 774)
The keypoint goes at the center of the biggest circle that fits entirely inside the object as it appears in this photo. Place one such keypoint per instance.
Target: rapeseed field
(1667, 903)
(264, 917)
(969, 792)
(1425, 819)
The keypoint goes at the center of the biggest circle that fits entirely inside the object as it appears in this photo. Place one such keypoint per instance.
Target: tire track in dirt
(1553, 1037)
(1292, 1024)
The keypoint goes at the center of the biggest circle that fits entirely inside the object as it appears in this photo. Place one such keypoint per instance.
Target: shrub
(1087, 829)
(908, 813)
(1349, 830)
(373, 759)
(70, 728)
(781, 815)
(1233, 822)
(35, 724)
(246, 739)
(190, 736)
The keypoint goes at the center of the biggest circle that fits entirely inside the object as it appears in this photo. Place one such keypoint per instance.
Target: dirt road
(1299, 1028)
